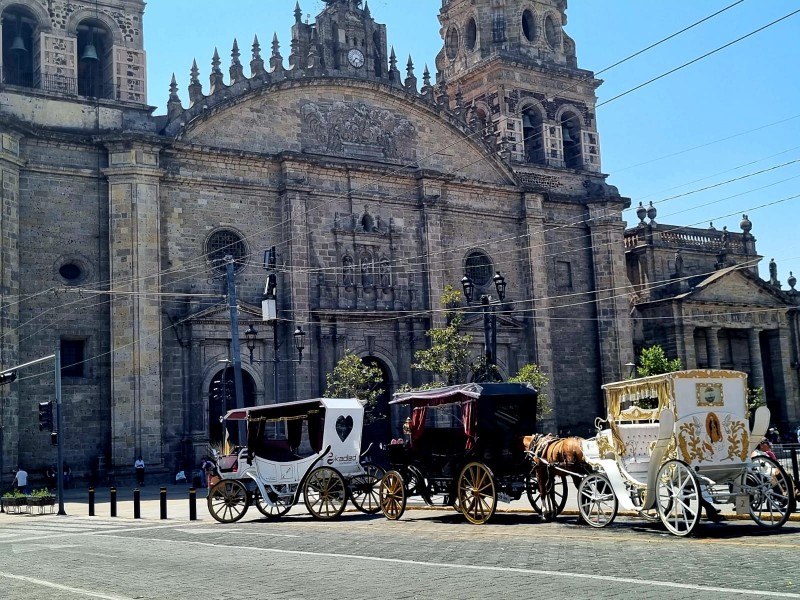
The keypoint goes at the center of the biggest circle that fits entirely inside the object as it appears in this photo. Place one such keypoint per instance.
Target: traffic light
(45, 416)
(54, 438)
(7, 377)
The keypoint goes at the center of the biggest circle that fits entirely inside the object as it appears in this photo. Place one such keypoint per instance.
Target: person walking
(21, 480)
(139, 466)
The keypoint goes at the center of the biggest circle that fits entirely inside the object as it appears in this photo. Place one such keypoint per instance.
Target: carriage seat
(437, 446)
(276, 451)
(639, 440)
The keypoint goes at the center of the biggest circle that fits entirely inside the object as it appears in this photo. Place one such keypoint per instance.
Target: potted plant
(42, 497)
(12, 501)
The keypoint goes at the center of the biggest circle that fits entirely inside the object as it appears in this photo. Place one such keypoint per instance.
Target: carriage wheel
(273, 511)
(771, 496)
(228, 500)
(477, 496)
(597, 502)
(678, 498)
(561, 490)
(325, 493)
(364, 489)
(392, 495)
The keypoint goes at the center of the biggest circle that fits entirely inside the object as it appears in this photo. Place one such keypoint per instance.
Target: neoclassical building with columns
(377, 182)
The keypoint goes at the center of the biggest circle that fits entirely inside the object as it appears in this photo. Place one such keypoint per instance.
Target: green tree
(531, 373)
(654, 361)
(755, 398)
(448, 356)
(353, 378)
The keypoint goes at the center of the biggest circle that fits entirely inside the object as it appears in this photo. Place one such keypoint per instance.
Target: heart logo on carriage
(344, 425)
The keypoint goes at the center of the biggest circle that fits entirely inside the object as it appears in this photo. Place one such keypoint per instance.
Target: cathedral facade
(376, 185)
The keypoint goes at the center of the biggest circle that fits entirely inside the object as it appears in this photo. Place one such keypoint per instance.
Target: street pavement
(428, 554)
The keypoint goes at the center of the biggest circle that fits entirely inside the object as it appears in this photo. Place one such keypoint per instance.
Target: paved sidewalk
(178, 505)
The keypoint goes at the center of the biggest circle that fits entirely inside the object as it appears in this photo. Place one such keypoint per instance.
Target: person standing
(139, 466)
(21, 480)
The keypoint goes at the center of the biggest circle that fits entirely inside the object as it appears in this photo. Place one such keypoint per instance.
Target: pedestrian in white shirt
(21, 480)
(139, 466)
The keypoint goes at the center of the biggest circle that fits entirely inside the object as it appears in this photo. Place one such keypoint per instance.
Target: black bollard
(113, 502)
(91, 501)
(163, 503)
(137, 507)
(192, 504)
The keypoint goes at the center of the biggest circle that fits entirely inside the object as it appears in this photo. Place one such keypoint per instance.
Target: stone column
(135, 263)
(614, 324)
(712, 346)
(689, 351)
(756, 368)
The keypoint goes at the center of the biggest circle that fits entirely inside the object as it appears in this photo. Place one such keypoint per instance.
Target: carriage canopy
(482, 409)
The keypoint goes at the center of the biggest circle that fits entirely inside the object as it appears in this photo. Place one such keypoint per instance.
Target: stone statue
(678, 262)
(347, 269)
(773, 272)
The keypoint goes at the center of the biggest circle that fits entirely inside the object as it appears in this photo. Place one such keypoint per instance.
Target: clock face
(356, 58)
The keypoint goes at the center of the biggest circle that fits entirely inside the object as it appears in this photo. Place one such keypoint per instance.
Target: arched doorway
(378, 431)
(221, 399)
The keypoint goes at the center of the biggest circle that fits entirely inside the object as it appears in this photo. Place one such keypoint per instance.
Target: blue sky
(724, 117)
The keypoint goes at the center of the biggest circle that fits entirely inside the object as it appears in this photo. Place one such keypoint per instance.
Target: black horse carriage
(462, 446)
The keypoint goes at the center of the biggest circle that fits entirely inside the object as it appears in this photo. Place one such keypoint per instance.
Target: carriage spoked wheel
(597, 502)
(325, 493)
(392, 495)
(771, 497)
(365, 489)
(560, 489)
(278, 508)
(477, 494)
(678, 497)
(228, 500)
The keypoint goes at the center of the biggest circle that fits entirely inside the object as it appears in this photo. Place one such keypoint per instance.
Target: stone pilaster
(540, 331)
(689, 353)
(135, 264)
(294, 287)
(10, 165)
(614, 324)
(434, 264)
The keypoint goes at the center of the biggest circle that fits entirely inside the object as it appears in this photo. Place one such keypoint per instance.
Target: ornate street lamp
(489, 319)
(251, 336)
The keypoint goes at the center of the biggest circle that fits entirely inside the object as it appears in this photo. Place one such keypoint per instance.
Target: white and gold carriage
(309, 449)
(674, 444)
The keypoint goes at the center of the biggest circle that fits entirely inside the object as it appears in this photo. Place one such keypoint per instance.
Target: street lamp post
(489, 318)
(251, 335)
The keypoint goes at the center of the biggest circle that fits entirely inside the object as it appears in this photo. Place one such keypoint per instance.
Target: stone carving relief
(356, 129)
(363, 223)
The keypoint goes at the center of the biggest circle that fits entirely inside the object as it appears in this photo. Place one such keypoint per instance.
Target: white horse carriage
(309, 449)
(673, 445)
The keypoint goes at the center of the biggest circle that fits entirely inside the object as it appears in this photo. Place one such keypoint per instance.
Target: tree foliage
(448, 357)
(353, 378)
(531, 373)
(654, 361)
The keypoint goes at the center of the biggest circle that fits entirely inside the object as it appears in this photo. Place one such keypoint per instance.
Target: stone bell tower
(515, 64)
(345, 40)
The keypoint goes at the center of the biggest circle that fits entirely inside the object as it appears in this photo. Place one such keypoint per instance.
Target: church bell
(18, 45)
(89, 52)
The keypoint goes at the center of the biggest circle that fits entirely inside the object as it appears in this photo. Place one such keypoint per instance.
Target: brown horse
(551, 454)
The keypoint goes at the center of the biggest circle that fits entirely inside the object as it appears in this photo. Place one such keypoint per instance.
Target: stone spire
(216, 78)
(195, 87)
(411, 79)
(394, 72)
(294, 55)
(236, 71)
(276, 60)
(174, 105)
(298, 13)
(257, 64)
